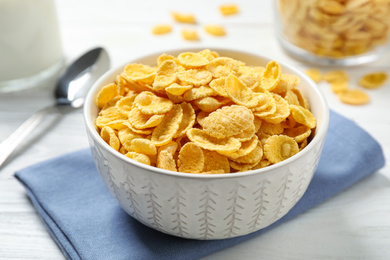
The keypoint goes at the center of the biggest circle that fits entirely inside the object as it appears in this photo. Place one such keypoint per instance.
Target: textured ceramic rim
(98, 84)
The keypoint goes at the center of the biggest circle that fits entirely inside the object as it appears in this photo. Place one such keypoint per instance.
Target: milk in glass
(30, 43)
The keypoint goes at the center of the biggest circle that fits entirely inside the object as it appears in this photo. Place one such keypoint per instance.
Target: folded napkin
(87, 223)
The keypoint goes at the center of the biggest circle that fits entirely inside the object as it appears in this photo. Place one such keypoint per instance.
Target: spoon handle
(16, 138)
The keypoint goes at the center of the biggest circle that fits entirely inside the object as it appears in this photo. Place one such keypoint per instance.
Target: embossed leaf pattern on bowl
(166, 203)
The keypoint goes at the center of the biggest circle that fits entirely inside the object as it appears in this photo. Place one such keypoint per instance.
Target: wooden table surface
(354, 224)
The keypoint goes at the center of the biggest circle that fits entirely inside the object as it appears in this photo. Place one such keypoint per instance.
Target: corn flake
(161, 29)
(107, 93)
(205, 141)
(216, 30)
(178, 90)
(271, 129)
(140, 73)
(301, 98)
(247, 133)
(253, 157)
(223, 66)
(373, 80)
(140, 120)
(130, 85)
(122, 85)
(250, 76)
(263, 163)
(146, 131)
(354, 97)
(314, 74)
(265, 101)
(289, 122)
(189, 34)
(201, 116)
(195, 77)
(281, 113)
(123, 150)
(125, 104)
(208, 104)
(183, 17)
(165, 131)
(165, 158)
(148, 103)
(228, 121)
(241, 167)
(303, 116)
(339, 86)
(300, 133)
(192, 60)
(208, 54)
(191, 158)
(174, 98)
(110, 117)
(196, 93)
(336, 75)
(126, 135)
(289, 82)
(110, 137)
(331, 7)
(188, 120)
(163, 57)
(240, 93)
(139, 157)
(246, 148)
(266, 108)
(166, 75)
(257, 123)
(228, 9)
(144, 146)
(271, 76)
(278, 148)
(215, 162)
(218, 85)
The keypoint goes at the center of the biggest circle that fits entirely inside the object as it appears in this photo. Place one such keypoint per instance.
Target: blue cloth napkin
(87, 223)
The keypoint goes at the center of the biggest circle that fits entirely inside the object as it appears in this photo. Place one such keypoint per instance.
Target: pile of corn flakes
(191, 34)
(203, 113)
(336, 28)
(338, 80)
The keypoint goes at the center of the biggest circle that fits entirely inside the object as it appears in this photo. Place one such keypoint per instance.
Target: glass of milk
(30, 43)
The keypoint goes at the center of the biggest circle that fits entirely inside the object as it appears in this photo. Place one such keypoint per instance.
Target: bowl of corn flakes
(206, 144)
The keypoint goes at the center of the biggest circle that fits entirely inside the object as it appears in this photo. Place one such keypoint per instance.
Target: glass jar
(30, 44)
(334, 32)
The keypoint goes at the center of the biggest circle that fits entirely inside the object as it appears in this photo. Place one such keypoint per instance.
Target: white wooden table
(354, 224)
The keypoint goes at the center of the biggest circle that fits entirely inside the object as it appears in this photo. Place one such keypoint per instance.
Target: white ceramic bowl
(208, 206)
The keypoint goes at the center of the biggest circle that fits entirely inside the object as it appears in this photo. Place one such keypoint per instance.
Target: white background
(354, 224)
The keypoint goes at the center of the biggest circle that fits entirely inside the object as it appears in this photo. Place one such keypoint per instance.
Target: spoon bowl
(74, 83)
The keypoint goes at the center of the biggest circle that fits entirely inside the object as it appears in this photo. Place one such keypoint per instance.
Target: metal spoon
(71, 89)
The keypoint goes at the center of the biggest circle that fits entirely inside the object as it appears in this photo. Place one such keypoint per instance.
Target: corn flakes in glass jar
(339, 32)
